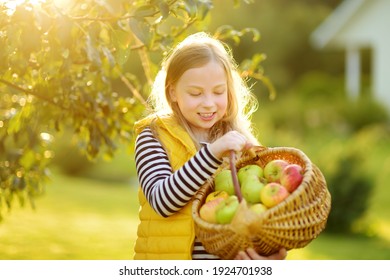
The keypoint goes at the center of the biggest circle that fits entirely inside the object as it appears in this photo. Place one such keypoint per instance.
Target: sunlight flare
(14, 3)
(11, 5)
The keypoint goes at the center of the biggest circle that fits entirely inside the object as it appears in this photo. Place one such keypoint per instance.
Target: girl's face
(201, 94)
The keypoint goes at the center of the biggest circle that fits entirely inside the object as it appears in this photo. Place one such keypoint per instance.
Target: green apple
(248, 170)
(208, 210)
(258, 208)
(223, 182)
(250, 189)
(273, 170)
(227, 209)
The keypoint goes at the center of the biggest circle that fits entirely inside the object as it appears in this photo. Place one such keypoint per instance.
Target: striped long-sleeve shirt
(167, 191)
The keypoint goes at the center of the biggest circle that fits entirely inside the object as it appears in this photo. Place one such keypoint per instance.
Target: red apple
(273, 170)
(208, 210)
(291, 177)
(272, 194)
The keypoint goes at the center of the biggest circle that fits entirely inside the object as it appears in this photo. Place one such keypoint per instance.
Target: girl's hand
(251, 254)
(232, 140)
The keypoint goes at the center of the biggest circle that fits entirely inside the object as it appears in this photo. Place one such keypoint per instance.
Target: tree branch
(146, 64)
(33, 93)
(115, 18)
(135, 92)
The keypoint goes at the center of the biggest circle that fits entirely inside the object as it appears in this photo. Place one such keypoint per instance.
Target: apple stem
(233, 170)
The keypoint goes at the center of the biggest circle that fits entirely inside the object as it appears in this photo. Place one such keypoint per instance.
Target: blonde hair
(196, 51)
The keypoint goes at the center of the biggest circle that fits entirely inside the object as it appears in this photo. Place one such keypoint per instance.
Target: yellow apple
(208, 210)
(216, 194)
(258, 208)
(272, 194)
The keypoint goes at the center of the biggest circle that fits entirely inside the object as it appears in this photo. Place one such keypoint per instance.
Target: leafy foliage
(351, 190)
(84, 66)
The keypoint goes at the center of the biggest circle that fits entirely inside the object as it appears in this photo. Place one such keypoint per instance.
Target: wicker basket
(291, 224)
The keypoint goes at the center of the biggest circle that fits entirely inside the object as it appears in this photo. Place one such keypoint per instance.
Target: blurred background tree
(83, 69)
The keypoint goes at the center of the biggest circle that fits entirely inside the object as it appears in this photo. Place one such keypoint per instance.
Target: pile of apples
(261, 188)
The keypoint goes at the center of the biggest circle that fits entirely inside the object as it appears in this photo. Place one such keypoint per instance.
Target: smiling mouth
(206, 116)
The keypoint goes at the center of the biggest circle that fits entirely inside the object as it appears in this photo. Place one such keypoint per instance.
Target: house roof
(323, 35)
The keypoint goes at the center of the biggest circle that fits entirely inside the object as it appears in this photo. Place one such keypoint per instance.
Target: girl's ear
(172, 93)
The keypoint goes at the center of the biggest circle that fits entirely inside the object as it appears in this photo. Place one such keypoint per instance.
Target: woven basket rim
(260, 151)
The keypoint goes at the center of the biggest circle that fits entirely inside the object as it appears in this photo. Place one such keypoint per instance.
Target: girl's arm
(168, 191)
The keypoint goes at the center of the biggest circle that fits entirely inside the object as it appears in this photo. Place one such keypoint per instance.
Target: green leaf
(258, 58)
(204, 8)
(254, 31)
(113, 7)
(191, 8)
(28, 159)
(122, 55)
(16, 122)
(107, 53)
(145, 11)
(272, 91)
(164, 9)
(95, 142)
(121, 40)
(142, 30)
(225, 32)
(92, 53)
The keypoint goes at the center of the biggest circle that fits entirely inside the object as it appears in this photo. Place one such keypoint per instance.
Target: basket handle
(233, 170)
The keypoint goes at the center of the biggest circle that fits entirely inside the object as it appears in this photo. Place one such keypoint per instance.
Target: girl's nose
(208, 100)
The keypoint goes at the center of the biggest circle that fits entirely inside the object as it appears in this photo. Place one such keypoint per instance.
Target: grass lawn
(77, 219)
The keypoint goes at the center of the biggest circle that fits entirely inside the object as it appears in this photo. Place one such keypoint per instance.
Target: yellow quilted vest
(171, 237)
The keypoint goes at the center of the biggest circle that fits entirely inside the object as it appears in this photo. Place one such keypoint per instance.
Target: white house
(357, 24)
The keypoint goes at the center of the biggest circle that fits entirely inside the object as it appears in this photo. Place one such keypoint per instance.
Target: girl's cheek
(223, 104)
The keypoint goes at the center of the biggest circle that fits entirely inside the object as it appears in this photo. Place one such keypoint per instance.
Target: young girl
(201, 112)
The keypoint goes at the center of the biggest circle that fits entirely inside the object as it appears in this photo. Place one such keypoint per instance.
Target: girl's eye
(219, 92)
(194, 93)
